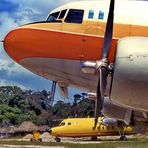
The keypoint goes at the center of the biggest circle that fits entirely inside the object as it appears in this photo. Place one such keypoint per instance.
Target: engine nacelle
(113, 111)
(116, 113)
(130, 80)
(109, 121)
(91, 96)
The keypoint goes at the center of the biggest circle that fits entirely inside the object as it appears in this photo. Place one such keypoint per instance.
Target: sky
(12, 14)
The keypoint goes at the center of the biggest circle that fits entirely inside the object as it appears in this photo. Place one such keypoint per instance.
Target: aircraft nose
(29, 42)
(49, 131)
(20, 43)
(11, 44)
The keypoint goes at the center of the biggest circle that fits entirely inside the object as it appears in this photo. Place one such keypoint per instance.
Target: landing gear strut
(53, 89)
(122, 134)
(123, 138)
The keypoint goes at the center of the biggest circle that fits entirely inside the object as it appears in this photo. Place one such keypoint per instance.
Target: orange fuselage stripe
(52, 44)
(65, 41)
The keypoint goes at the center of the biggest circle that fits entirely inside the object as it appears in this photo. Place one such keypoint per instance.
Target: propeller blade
(97, 105)
(103, 81)
(109, 31)
(100, 93)
(103, 68)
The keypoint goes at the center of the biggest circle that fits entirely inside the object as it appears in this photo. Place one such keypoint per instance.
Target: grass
(134, 143)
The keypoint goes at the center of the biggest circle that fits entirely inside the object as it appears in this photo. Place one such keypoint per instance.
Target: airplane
(99, 46)
(77, 127)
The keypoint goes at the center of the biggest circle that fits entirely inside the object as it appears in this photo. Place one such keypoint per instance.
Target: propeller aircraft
(83, 127)
(100, 46)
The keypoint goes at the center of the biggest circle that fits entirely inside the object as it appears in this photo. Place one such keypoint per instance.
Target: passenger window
(53, 17)
(101, 15)
(91, 14)
(62, 14)
(74, 16)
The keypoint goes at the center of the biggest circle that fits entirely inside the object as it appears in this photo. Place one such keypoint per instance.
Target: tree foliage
(17, 105)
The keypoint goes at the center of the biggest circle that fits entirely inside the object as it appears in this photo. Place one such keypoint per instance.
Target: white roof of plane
(81, 5)
(130, 10)
(95, 4)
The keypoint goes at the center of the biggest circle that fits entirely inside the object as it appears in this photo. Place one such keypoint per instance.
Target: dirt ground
(46, 137)
(28, 146)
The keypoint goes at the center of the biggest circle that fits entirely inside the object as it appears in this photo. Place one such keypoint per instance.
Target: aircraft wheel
(93, 138)
(57, 139)
(31, 139)
(40, 139)
(123, 138)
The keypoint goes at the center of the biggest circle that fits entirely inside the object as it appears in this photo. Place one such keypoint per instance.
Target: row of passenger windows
(63, 123)
(108, 127)
(99, 127)
(73, 16)
(100, 15)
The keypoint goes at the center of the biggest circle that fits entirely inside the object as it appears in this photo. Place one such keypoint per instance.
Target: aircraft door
(95, 28)
(73, 29)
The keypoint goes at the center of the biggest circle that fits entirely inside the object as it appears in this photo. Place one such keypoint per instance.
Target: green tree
(29, 116)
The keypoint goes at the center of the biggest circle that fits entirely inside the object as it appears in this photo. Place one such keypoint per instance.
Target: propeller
(102, 66)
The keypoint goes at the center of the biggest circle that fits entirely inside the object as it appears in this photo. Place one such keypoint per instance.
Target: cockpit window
(62, 124)
(69, 123)
(53, 17)
(62, 14)
(74, 16)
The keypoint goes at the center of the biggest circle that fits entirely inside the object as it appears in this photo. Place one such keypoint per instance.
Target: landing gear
(57, 139)
(120, 129)
(94, 139)
(123, 138)
(53, 89)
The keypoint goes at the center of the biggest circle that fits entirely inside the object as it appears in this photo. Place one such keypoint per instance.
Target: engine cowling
(113, 111)
(137, 119)
(130, 80)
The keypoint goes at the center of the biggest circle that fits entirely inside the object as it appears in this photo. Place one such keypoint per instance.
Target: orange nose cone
(26, 42)
(11, 44)
(21, 43)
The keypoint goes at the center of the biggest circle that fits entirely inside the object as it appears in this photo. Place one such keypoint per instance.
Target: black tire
(40, 139)
(31, 139)
(94, 139)
(123, 138)
(57, 139)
